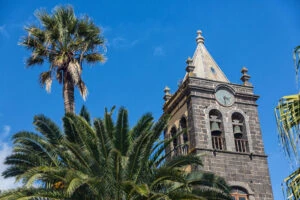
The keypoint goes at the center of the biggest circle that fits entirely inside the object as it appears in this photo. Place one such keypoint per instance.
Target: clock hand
(224, 97)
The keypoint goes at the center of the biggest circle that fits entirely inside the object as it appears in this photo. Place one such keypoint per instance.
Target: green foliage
(63, 42)
(85, 114)
(287, 115)
(106, 160)
(293, 186)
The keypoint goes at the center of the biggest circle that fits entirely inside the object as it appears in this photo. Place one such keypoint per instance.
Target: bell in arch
(215, 128)
(237, 131)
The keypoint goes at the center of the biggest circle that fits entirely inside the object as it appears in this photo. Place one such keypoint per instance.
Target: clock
(224, 97)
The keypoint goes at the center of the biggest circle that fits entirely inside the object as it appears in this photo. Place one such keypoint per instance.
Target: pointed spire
(204, 64)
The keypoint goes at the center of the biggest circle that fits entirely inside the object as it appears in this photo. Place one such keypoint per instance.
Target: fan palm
(106, 160)
(64, 42)
(287, 115)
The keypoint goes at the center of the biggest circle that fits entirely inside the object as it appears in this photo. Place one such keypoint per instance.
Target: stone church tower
(221, 120)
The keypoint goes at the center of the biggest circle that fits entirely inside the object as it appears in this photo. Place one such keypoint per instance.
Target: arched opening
(239, 132)
(217, 130)
(239, 193)
(185, 137)
(175, 140)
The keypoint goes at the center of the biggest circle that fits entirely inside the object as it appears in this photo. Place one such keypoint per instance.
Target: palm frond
(85, 114)
(82, 89)
(34, 60)
(292, 184)
(287, 115)
(32, 194)
(108, 160)
(104, 140)
(48, 128)
(108, 123)
(121, 132)
(46, 80)
(59, 76)
(94, 58)
(144, 124)
(75, 71)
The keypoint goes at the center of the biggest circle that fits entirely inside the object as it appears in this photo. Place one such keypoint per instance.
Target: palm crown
(64, 42)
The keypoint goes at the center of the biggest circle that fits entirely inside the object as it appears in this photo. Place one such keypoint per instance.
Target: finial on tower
(189, 60)
(167, 94)
(190, 67)
(199, 38)
(245, 77)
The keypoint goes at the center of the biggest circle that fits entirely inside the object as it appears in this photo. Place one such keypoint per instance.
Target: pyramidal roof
(205, 66)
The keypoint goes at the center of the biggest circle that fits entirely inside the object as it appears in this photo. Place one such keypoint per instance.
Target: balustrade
(218, 142)
(241, 145)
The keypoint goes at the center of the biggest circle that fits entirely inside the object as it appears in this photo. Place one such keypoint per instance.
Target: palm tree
(106, 160)
(287, 115)
(64, 42)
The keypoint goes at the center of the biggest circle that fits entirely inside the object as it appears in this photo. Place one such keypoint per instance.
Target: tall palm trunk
(68, 93)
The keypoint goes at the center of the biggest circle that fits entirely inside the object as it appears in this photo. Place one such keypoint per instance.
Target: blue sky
(147, 45)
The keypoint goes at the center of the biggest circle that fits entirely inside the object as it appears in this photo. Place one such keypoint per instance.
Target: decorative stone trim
(227, 86)
(231, 152)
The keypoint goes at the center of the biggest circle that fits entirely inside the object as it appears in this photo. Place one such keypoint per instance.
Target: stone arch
(244, 186)
(209, 120)
(226, 87)
(184, 137)
(175, 142)
(207, 125)
(247, 127)
(239, 132)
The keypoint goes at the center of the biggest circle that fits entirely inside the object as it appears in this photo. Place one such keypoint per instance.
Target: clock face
(224, 97)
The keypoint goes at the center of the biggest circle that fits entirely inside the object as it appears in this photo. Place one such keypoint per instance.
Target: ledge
(230, 152)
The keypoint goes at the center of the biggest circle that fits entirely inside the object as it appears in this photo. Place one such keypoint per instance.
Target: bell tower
(222, 123)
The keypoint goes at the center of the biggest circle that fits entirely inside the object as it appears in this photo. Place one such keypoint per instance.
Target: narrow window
(217, 130)
(175, 140)
(185, 138)
(239, 132)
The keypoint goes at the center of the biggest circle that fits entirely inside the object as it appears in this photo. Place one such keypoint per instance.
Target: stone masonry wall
(241, 170)
(175, 116)
(248, 170)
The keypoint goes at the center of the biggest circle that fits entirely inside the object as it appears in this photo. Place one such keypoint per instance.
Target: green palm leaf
(288, 118)
(287, 115)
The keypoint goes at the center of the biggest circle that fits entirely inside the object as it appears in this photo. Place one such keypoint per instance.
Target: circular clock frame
(225, 97)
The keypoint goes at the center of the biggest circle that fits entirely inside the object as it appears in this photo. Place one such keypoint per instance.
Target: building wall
(248, 170)
(241, 170)
(179, 111)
